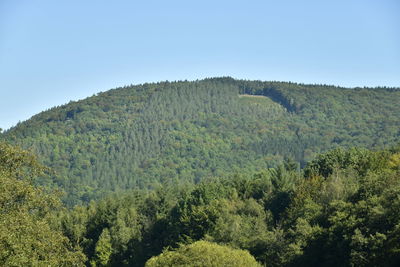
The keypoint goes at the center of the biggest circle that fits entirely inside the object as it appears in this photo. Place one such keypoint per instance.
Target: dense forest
(341, 209)
(180, 133)
(216, 172)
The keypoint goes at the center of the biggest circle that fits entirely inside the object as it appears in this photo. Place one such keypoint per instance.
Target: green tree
(103, 250)
(204, 254)
(27, 236)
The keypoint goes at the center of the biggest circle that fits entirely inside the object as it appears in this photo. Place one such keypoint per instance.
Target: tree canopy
(183, 132)
(214, 172)
(27, 237)
(203, 254)
(284, 216)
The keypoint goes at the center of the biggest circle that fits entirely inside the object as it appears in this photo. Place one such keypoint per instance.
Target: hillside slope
(182, 132)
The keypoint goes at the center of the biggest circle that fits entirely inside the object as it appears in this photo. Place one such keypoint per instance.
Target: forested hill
(181, 132)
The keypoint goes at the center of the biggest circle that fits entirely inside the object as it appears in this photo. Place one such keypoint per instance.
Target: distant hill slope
(177, 132)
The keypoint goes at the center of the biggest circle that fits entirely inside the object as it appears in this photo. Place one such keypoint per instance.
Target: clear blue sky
(55, 51)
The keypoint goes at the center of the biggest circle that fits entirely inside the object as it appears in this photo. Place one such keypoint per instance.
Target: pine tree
(103, 250)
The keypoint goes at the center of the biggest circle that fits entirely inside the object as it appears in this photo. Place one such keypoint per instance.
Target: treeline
(149, 135)
(342, 209)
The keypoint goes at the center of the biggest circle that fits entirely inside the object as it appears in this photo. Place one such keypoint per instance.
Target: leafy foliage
(341, 210)
(282, 216)
(27, 236)
(203, 254)
(206, 171)
(183, 132)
